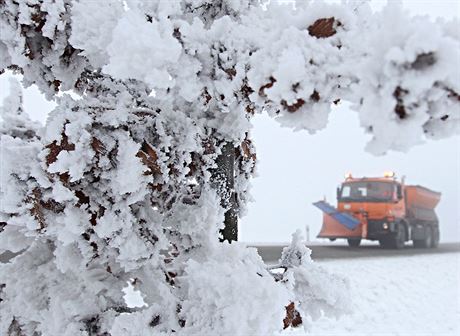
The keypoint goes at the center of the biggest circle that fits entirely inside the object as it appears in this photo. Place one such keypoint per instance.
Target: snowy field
(417, 295)
(407, 296)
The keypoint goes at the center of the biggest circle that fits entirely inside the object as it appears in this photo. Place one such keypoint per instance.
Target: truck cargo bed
(421, 197)
(421, 201)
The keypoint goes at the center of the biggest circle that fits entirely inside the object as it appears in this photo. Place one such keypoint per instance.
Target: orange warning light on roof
(389, 174)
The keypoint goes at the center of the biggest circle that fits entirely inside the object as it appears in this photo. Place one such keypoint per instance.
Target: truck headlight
(385, 226)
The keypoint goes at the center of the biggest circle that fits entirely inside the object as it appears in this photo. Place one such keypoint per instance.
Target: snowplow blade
(345, 219)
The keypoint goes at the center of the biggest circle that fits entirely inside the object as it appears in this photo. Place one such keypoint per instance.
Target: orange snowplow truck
(383, 209)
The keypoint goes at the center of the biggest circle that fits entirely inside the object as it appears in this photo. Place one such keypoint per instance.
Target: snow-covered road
(417, 295)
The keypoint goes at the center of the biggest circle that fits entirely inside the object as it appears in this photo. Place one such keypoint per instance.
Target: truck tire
(400, 237)
(354, 242)
(395, 240)
(434, 237)
(427, 241)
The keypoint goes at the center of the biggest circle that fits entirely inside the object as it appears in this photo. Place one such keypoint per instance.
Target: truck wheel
(396, 240)
(427, 241)
(353, 242)
(434, 238)
(399, 238)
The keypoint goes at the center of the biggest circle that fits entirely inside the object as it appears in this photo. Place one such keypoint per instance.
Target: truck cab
(377, 202)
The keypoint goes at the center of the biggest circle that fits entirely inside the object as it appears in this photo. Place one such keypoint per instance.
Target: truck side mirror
(399, 192)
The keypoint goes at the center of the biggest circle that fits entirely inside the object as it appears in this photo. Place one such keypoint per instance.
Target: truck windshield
(366, 191)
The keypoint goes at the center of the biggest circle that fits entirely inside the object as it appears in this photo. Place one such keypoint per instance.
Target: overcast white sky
(296, 169)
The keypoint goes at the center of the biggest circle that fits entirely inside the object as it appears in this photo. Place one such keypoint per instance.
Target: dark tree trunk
(223, 180)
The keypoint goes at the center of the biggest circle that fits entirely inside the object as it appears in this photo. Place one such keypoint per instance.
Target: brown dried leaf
(37, 209)
(246, 149)
(293, 317)
(209, 147)
(315, 96)
(178, 35)
(323, 28)
(96, 215)
(294, 107)
(148, 235)
(98, 146)
(169, 276)
(64, 177)
(423, 61)
(266, 86)
(155, 321)
(452, 94)
(94, 246)
(246, 90)
(149, 158)
(2, 226)
(207, 97)
(400, 109)
(230, 72)
(52, 205)
(55, 149)
(82, 198)
(142, 114)
(250, 109)
(194, 164)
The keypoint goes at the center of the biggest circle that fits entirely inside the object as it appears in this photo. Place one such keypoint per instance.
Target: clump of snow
(410, 94)
(138, 45)
(92, 28)
(236, 272)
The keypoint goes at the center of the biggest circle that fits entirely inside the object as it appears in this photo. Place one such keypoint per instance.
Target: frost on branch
(34, 41)
(120, 185)
(316, 292)
(413, 93)
(19, 145)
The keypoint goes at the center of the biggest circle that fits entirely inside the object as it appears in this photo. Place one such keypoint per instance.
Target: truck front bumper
(378, 228)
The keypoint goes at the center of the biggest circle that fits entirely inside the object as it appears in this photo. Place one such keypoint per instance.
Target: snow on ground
(407, 296)
(416, 295)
